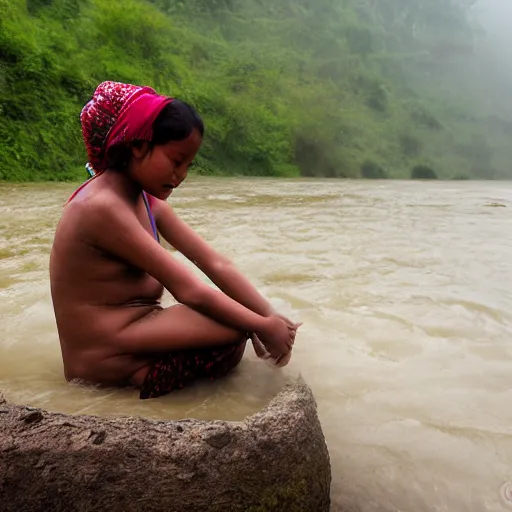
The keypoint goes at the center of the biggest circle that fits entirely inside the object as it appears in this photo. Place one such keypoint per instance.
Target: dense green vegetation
(348, 88)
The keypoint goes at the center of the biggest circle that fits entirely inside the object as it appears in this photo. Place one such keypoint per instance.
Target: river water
(405, 292)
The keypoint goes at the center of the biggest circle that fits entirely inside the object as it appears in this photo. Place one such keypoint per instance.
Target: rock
(218, 439)
(276, 460)
(32, 417)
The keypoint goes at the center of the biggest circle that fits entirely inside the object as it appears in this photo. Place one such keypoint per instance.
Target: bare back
(96, 294)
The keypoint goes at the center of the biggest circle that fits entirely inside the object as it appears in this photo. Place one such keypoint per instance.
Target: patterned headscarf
(118, 114)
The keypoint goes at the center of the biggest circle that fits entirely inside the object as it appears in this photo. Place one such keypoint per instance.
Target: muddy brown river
(405, 291)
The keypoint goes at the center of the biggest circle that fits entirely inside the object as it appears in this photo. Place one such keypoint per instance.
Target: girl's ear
(140, 149)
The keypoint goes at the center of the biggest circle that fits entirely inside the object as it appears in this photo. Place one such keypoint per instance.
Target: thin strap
(151, 217)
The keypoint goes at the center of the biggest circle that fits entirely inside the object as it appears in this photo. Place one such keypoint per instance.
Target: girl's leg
(175, 328)
(184, 346)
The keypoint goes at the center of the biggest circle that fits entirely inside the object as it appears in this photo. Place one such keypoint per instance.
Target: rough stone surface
(276, 460)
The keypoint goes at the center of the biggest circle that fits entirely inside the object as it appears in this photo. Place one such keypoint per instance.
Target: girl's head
(160, 164)
(132, 129)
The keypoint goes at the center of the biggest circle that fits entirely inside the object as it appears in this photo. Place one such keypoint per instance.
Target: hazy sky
(497, 15)
(496, 58)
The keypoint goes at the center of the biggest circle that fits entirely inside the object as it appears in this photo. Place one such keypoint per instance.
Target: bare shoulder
(88, 209)
(90, 216)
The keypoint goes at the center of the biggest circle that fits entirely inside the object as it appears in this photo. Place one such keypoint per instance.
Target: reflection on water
(404, 291)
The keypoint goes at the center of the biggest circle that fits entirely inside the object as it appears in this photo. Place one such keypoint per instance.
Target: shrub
(372, 170)
(423, 172)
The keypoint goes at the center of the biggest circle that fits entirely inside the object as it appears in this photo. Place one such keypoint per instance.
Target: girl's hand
(262, 353)
(278, 335)
(284, 360)
(292, 325)
(288, 322)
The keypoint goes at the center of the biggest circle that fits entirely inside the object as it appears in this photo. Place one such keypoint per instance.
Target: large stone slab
(276, 460)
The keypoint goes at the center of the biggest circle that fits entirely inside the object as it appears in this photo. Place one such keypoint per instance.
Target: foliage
(341, 88)
(423, 172)
(372, 170)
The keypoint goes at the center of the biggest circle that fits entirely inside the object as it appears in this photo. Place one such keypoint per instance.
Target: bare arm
(112, 226)
(217, 267)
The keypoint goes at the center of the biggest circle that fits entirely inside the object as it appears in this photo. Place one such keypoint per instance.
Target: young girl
(108, 269)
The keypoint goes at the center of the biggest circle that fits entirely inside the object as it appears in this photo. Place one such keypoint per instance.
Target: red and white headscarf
(118, 114)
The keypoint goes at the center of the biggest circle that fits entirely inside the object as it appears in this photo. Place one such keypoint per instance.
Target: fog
(494, 54)
(495, 16)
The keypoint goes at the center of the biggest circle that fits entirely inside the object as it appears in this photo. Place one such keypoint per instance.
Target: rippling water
(405, 292)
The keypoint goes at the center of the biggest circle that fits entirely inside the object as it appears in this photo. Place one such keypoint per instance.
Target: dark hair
(175, 122)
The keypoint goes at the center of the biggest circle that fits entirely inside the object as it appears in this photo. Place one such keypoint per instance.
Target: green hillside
(347, 88)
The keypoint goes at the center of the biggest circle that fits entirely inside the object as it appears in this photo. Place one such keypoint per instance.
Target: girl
(108, 269)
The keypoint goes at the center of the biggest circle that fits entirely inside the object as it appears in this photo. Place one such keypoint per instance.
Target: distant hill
(347, 88)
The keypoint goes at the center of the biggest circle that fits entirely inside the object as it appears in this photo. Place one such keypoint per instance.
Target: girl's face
(159, 170)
